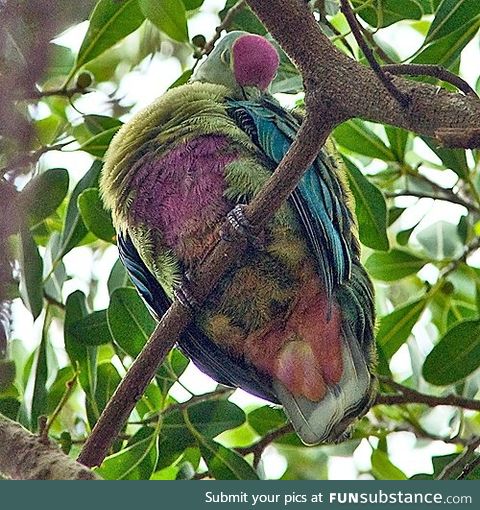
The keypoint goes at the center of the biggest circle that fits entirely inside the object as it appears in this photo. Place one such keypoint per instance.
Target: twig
(69, 387)
(421, 433)
(459, 462)
(62, 92)
(407, 395)
(258, 448)
(357, 33)
(435, 71)
(471, 466)
(449, 197)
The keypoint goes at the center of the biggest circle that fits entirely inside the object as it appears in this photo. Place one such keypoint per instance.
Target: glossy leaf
(383, 469)
(453, 159)
(74, 230)
(370, 209)
(225, 464)
(455, 356)
(129, 320)
(110, 22)
(82, 356)
(94, 215)
(396, 327)
(385, 12)
(107, 380)
(44, 193)
(452, 15)
(171, 369)
(394, 265)
(398, 139)
(31, 275)
(135, 462)
(118, 277)
(92, 329)
(446, 50)
(39, 397)
(190, 5)
(98, 144)
(169, 16)
(244, 19)
(355, 136)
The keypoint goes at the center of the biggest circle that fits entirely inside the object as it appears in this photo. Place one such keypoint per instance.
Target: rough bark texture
(24, 457)
(336, 89)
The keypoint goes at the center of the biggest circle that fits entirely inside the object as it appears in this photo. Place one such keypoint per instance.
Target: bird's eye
(225, 57)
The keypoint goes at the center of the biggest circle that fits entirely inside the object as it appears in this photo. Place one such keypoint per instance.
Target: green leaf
(98, 144)
(191, 5)
(171, 369)
(97, 124)
(396, 327)
(107, 380)
(355, 136)
(94, 215)
(452, 15)
(31, 275)
(39, 398)
(58, 388)
(182, 79)
(454, 159)
(169, 16)
(265, 419)
(9, 407)
(394, 265)
(441, 240)
(135, 462)
(225, 464)
(383, 469)
(92, 329)
(398, 139)
(455, 356)
(244, 19)
(81, 355)
(74, 230)
(383, 13)
(48, 129)
(370, 209)
(446, 50)
(110, 22)
(118, 277)
(7, 374)
(129, 320)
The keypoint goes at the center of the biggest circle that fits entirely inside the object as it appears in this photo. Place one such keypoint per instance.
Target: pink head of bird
(255, 61)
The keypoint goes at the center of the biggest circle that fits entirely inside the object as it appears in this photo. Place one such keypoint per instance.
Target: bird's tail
(344, 402)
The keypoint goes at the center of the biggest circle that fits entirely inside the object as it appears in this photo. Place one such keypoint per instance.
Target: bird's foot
(184, 295)
(239, 222)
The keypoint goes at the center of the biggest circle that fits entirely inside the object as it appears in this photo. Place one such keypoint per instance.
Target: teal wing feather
(319, 198)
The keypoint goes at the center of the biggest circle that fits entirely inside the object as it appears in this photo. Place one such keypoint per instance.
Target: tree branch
(450, 471)
(354, 89)
(23, 456)
(407, 395)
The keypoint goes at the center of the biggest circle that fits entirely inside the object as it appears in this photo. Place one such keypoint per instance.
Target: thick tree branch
(355, 90)
(23, 456)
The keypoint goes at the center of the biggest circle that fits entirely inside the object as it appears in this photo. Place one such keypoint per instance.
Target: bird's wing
(319, 199)
(208, 356)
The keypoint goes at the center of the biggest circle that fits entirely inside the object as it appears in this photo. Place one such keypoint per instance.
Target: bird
(293, 321)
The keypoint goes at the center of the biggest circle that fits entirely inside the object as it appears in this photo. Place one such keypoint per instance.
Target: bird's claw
(184, 295)
(239, 222)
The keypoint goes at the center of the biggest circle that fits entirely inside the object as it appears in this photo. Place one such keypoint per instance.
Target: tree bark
(23, 456)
